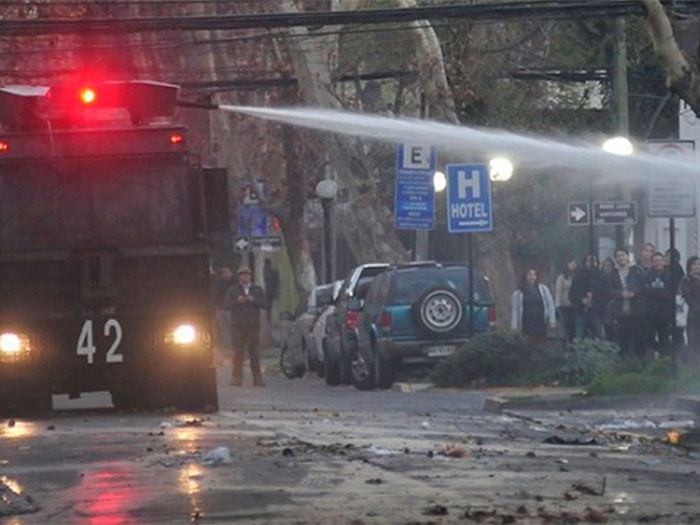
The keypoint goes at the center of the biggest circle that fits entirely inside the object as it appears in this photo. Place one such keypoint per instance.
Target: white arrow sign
(578, 214)
(241, 244)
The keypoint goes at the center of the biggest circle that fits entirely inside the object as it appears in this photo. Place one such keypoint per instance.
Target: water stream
(467, 144)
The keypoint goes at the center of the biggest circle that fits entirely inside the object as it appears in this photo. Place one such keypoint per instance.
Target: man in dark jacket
(626, 287)
(245, 300)
(659, 296)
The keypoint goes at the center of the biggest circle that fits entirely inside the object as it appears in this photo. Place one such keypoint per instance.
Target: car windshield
(408, 284)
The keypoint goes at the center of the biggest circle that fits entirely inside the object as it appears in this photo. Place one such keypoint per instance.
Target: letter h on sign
(468, 198)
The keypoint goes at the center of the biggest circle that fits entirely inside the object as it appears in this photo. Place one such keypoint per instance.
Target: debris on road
(453, 451)
(374, 481)
(558, 440)
(288, 452)
(686, 423)
(13, 502)
(217, 456)
(436, 510)
(378, 451)
(425, 425)
(590, 488)
(688, 440)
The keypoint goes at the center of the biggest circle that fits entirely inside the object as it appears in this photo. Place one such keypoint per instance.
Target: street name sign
(268, 243)
(672, 197)
(614, 213)
(579, 213)
(414, 198)
(469, 206)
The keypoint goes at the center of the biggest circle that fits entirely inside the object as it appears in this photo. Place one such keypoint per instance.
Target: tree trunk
(365, 222)
(681, 76)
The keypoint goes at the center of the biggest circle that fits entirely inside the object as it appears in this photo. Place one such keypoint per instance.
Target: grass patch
(656, 377)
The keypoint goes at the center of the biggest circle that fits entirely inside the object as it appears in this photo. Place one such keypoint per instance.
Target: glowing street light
(618, 146)
(439, 181)
(500, 169)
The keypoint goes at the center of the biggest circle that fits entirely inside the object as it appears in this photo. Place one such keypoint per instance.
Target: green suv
(416, 314)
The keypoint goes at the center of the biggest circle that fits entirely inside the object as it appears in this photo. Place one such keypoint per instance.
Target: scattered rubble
(217, 456)
(13, 502)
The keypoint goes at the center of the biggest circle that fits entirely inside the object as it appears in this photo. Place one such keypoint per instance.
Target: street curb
(407, 388)
(554, 401)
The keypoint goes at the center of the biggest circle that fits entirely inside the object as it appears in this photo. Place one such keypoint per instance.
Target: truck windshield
(95, 202)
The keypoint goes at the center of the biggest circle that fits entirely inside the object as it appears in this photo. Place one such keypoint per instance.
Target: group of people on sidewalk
(646, 308)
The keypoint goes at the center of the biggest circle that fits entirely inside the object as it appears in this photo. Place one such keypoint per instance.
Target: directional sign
(268, 243)
(669, 197)
(241, 244)
(614, 213)
(468, 198)
(252, 221)
(414, 204)
(579, 213)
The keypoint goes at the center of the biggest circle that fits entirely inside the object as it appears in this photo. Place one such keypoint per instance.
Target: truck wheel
(331, 368)
(194, 391)
(25, 400)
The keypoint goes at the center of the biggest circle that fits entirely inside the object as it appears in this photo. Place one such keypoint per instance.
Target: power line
(503, 10)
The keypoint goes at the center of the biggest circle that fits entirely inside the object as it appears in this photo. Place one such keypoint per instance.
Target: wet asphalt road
(305, 453)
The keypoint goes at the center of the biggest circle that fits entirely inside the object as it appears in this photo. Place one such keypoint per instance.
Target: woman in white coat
(532, 308)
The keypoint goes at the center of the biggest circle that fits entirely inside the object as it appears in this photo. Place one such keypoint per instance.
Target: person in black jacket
(625, 294)
(585, 287)
(659, 296)
(690, 290)
(245, 300)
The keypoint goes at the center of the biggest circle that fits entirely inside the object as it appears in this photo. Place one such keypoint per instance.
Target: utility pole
(620, 96)
(421, 246)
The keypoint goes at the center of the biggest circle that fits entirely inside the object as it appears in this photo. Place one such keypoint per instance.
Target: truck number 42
(87, 348)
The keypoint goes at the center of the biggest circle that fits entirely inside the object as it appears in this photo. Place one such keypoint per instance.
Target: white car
(318, 333)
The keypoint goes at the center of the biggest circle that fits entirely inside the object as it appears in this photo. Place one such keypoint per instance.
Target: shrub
(656, 377)
(586, 359)
(494, 358)
(507, 358)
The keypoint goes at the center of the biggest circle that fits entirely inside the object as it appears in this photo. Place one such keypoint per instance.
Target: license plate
(441, 351)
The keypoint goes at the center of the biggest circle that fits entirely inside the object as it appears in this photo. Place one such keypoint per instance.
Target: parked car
(318, 332)
(341, 342)
(298, 354)
(416, 314)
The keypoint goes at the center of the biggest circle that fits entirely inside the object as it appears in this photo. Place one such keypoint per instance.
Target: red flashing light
(276, 224)
(4, 146)
(87, 96)
(177, 138)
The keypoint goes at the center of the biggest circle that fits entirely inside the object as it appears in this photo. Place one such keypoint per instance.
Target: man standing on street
(245, 300)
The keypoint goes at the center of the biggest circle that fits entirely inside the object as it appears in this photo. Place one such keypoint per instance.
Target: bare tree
(681, 74)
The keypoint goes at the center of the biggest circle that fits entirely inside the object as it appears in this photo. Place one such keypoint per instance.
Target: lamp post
(622, 147)
(327, 190)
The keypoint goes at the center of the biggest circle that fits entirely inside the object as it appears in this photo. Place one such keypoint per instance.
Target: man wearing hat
(245, 300)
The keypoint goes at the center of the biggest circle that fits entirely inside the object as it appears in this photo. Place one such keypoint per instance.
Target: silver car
(298, 352)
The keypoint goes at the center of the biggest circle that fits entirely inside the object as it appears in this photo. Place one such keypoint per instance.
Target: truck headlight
(14, 346)
(186, 335)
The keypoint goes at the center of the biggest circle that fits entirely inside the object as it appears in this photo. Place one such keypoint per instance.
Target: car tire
(331, 368)
(289, 369)
(384, 372)
(362, 372)
(438, 310)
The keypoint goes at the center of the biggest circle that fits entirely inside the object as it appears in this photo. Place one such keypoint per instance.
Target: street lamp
(439, 181)
(500, 169)
(618, 146)
(327, 190)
